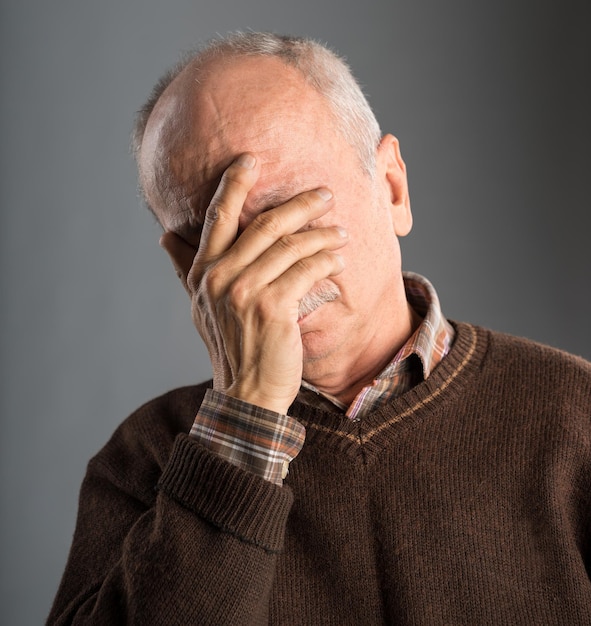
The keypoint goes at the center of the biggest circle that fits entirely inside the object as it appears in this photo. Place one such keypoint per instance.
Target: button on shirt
(265, 442)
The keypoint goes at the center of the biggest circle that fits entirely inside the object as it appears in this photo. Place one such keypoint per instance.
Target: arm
(201, 548)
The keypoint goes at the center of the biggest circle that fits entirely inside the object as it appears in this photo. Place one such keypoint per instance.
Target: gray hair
(323, 69)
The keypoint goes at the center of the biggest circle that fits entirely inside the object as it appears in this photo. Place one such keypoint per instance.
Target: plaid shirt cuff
(255, 439)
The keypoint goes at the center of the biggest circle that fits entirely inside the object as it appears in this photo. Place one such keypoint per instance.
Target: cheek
(371, 248)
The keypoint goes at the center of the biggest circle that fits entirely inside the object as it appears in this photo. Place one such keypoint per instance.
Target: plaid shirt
(265, 442)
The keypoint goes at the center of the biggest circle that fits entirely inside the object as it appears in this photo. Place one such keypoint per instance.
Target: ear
(391, 171)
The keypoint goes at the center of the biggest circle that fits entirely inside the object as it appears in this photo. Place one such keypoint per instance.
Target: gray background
(489, 99)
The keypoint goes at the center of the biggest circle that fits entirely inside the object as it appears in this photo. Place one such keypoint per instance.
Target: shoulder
(522, 352)
(140, 447)
(537, 372)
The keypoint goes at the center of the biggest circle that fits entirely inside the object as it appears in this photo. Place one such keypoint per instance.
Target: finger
(221, 222)
(288, 251)
(301, 277)
(181, 254)
(283, 295)
(270, 226)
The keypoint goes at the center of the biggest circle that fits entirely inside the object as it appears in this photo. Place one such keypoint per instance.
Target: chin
(317, 345)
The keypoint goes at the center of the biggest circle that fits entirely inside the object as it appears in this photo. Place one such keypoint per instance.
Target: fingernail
(247, 161)
(324, 193)
(342, 232)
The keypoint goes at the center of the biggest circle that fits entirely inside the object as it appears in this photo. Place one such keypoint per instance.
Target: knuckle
(306, 201)
(246, 303)
(192, 282)
(195, 275)
(238, 295)
(268, 223)
(316, 265)
(206, 284)
(217, 211)
(211, 213)
(265, 309)
(305, 267)
(212, 279)
(292, 245)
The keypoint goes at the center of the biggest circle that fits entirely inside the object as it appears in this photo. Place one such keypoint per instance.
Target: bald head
(191, 104)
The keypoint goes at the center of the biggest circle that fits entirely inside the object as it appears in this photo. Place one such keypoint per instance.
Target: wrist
(261, 399)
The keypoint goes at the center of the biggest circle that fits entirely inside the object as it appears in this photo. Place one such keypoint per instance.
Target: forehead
(257, 104)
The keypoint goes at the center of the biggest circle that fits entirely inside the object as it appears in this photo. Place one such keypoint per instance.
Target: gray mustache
(313, 299)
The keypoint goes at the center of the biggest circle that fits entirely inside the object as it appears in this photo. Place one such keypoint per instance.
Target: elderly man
(357, 459)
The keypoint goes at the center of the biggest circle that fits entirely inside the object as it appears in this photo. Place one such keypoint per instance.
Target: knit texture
(467, 500)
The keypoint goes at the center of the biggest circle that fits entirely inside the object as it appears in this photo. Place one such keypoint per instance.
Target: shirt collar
(433, 338)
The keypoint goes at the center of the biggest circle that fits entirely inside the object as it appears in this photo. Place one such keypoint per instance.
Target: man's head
(230, 100)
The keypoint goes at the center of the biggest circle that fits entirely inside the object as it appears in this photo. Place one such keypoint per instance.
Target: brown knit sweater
(465, 501)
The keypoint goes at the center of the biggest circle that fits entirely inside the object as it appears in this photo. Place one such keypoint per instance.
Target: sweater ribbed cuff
(233, 500)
